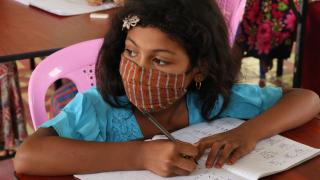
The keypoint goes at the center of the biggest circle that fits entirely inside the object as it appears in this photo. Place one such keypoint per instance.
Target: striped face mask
(149, 89)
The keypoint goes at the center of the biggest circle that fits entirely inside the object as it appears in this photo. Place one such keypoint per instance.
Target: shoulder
(247, 100)
(253, 91)
(93, 95)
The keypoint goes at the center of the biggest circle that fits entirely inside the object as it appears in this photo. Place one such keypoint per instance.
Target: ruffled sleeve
(248, 101)
(83, 118)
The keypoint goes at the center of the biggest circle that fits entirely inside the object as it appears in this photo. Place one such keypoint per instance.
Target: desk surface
(308, 134)
(27, 32)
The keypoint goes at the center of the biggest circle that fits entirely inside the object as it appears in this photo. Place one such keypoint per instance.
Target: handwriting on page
(194, 133)
(279, 151)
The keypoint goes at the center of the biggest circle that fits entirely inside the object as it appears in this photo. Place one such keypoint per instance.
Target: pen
(165, 132)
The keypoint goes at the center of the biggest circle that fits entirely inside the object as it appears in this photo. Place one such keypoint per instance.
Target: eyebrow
(128, 38)
(154, 50)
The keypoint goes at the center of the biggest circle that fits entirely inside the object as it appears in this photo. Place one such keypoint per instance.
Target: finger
(185, 164)
(236, 155)
(205, 143)
(215, 148)
(201, 150)
(187, 149)
(225, 153)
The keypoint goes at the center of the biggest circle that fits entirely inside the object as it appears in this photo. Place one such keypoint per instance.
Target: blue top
(88, 117)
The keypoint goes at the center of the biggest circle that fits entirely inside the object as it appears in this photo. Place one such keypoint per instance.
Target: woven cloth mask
(150, 90)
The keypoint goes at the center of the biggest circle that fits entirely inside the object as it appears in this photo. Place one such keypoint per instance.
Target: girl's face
(151, 48)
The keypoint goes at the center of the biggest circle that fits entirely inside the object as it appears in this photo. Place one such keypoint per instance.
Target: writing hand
(165, 158)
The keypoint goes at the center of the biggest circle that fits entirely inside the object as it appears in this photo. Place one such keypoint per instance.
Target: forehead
(152, 38)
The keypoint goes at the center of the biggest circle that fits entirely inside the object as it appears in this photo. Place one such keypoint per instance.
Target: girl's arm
(296, 107)
(45, 153)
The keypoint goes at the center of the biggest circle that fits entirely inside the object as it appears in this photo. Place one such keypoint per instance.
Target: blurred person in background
(267, 32)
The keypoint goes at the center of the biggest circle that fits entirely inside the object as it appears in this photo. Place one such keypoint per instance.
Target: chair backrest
(76, 62)
(232, 11)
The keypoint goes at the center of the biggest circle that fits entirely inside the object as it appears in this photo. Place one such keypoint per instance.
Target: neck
(168, 116)
(171, 110)
(173, 118)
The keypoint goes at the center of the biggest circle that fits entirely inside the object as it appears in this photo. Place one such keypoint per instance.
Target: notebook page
(69, 7)
(272, 155)
(25, 2)
(194, 133)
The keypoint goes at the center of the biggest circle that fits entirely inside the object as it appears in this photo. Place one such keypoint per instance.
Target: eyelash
(129, 53)
(156, 61)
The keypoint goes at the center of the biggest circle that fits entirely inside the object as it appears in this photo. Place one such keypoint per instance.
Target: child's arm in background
(95, 2)
(45, 153)
(99, 2)
(296, 107)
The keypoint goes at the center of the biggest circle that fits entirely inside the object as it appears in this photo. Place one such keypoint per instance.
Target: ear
(197, 74)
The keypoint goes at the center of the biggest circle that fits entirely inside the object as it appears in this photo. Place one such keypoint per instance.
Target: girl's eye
(131, 53)
(160, 62)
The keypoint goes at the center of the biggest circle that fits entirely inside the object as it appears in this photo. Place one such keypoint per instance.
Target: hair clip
(130, 21)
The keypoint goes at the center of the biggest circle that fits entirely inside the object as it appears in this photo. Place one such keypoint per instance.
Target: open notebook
(66, 7)
(270, 156)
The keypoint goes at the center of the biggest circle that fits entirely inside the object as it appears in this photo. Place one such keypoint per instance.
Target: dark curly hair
(198, 26)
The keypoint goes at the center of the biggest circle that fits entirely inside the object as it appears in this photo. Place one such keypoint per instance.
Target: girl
(170, 58)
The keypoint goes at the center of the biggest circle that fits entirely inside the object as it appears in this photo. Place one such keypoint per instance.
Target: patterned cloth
(268, 29)
(12, 120)
(62, 96)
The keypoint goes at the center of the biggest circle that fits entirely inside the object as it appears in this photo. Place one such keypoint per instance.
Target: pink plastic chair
(232, 11)
(76, 62)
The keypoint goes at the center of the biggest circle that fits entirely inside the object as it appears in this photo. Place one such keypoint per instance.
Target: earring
(198, 80)
(198, 85)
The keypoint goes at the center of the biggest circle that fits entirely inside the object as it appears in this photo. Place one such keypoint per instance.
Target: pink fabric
(232, 11)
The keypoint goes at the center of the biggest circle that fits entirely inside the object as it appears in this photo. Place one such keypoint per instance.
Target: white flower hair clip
(130, 21)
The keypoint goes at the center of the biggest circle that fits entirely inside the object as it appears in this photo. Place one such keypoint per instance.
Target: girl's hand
(227, 147)
(164, 157)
